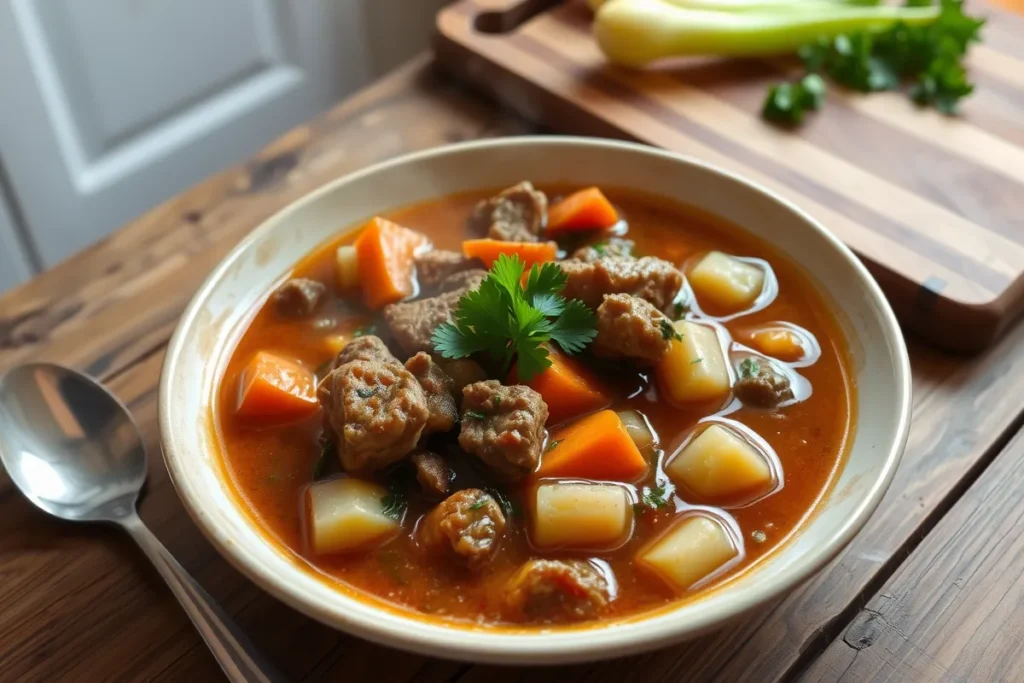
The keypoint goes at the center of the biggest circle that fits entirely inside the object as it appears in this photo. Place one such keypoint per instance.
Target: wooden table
(931, 589)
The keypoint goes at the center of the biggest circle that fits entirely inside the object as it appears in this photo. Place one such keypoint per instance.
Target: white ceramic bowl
(217, 315)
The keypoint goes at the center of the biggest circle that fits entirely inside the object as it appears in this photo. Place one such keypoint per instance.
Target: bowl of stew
(534, 400)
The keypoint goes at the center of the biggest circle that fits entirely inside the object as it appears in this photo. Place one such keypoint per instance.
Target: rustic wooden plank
(120, 299)
(954, 610)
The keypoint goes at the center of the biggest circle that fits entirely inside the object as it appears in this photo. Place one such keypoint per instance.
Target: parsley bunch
(509, 321)
(928, 57)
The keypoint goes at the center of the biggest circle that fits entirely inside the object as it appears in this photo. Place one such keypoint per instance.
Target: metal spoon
(73, 449)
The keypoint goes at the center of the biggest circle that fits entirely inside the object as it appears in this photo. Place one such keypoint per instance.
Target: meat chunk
(468, 523)
(299, 297)
(649, 278)
(557, 591)
(515, 214)
(463, 372)
(376, 410)
(631, 328)
(368, 347)
(760, 385)
(503, 426)
(432, 473)
(463, 281)
(437, 386)
(413, 322)
(434, 266)
(614, 246)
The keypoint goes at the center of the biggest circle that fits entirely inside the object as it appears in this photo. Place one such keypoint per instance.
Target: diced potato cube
(778, 342)
(637, 428)
(718, 465)
(693, 368)
(583, 516)
(726, 282)
(688, 552)
(347, 269)
(348, 514)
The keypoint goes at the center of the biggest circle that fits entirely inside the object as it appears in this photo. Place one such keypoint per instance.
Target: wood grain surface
(953, 611)
(79, 603)
(935, 204)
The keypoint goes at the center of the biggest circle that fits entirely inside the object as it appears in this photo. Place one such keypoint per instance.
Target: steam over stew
(536, 408)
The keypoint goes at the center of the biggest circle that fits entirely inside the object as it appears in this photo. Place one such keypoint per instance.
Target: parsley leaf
(654, 497)
(928, 57)
(479, 504)
(393, 505)
(366, 392)
(552, 444)
(574, 328)
(508, 321)
(749, 367)
(698, 359)
(787, 102)
(365, 331)
(669, 332)
(475, 415)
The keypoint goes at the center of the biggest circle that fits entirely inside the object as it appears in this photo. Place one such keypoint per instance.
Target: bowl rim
(499, 646)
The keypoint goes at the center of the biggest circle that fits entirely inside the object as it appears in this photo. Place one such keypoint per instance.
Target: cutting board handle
(505, 16)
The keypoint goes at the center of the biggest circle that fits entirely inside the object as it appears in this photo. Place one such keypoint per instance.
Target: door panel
(14, 262)
(123, 103)
(113, 106)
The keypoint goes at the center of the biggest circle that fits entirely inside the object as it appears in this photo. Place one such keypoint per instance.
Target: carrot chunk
(597, 447)
(488, 250)
(584, 210)
(568, 387)
(275, 387)
(385, 251)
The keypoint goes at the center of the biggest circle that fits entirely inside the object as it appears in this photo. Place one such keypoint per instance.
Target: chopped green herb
(366, 392)
(508, 508)
(655, 497)
(786, 103)
(497, 402)
(475, 415)
(326, 451)
(508, 321)
(393, 505)
(365, 331)
(638, 508)
(668, 331)
(928, 57)
(479, 504)
(696, 360)
(681, 309)
(749, 367)
(552, 444)
(600, 247)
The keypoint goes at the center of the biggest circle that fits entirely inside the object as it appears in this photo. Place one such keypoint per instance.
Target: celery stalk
(636, 32)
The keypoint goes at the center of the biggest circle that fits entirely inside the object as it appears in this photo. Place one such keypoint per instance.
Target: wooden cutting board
(935, 205)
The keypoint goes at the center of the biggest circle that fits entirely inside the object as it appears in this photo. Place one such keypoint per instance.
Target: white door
(108, 107)
(15, 265)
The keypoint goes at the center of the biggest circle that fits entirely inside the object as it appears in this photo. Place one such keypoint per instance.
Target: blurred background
(110, 107)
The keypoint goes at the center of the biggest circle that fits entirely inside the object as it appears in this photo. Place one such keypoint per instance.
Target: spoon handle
(237, 656)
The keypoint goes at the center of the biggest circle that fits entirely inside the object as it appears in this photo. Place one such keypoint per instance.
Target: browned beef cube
(504, 427)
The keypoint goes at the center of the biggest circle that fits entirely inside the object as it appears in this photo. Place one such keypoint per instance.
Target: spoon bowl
(73, 449)
(70, 446)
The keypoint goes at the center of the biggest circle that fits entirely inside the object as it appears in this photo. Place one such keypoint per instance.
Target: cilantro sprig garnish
(511, 322)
